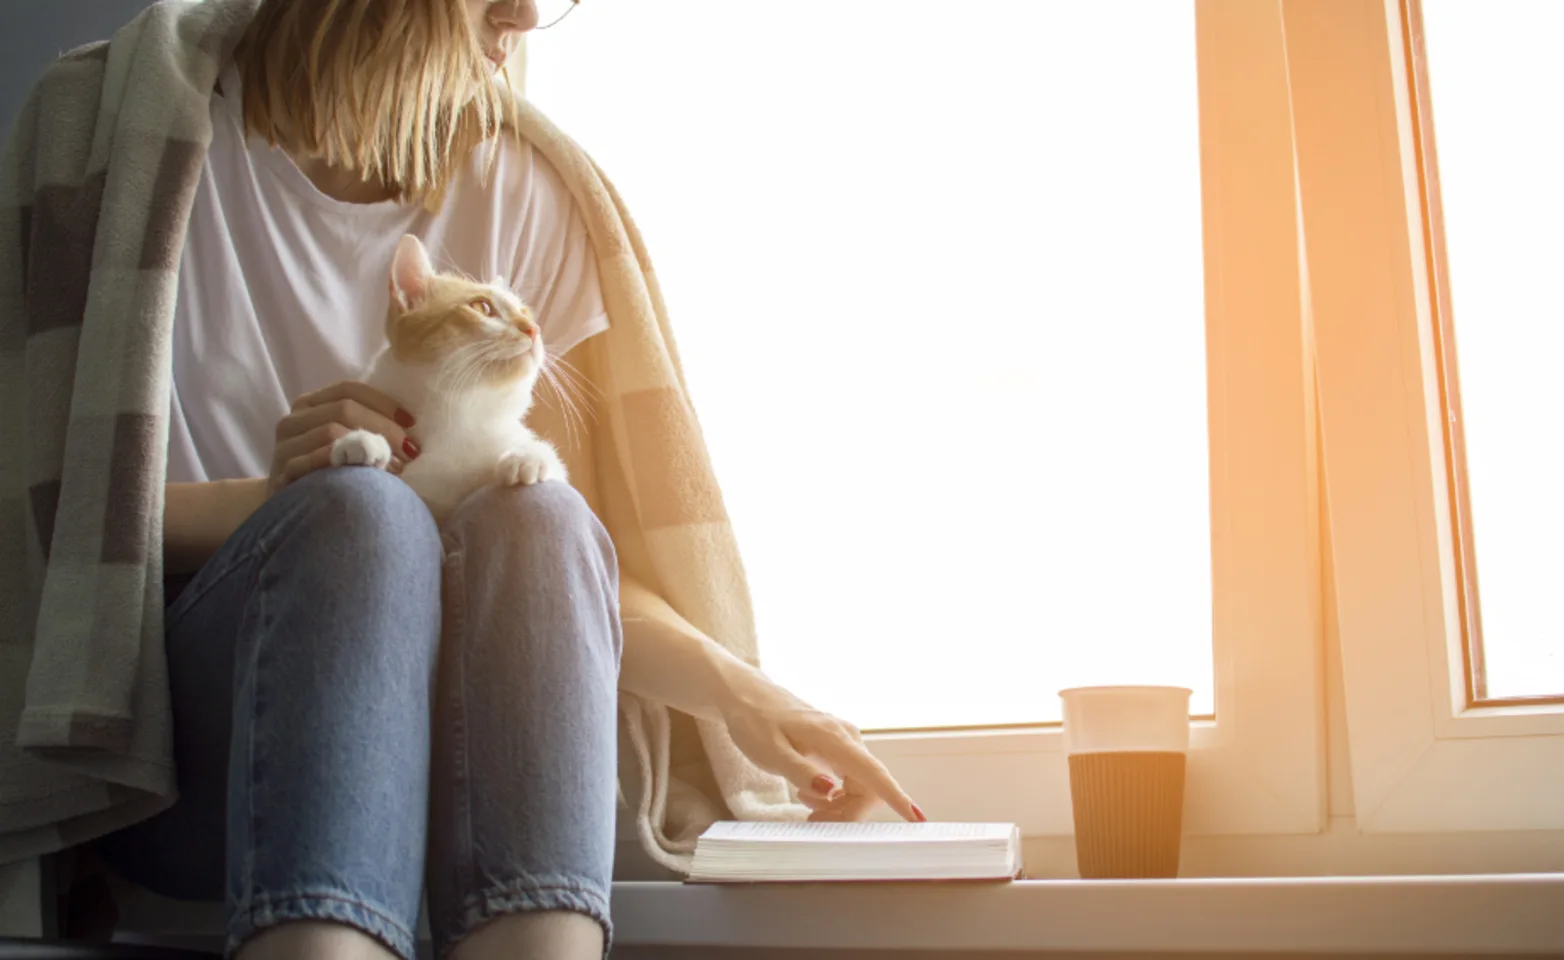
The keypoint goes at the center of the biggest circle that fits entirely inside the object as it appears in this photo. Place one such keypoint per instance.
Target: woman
(353, 733)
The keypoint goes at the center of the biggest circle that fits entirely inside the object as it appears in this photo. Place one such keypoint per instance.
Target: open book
(733, 852)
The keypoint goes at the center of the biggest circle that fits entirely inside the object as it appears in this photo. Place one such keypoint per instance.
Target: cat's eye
(483, 306)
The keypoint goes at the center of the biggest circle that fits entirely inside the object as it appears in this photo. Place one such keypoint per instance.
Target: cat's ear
(410, 272)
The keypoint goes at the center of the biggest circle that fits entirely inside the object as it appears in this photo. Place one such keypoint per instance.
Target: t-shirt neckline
(280, 165)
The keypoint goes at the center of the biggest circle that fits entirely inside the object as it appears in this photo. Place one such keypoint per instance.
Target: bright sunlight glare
(1496, 83)
(935, 271)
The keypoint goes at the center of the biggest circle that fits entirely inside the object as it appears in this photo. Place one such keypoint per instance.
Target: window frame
(1426, 756)
(1468, 597)
(1258, 766)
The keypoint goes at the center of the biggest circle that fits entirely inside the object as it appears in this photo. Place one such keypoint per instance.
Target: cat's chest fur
(456, 459)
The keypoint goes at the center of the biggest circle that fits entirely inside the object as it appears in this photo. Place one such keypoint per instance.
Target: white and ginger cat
(465, 356)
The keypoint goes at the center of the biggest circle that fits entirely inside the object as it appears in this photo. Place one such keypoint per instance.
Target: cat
(465, 356)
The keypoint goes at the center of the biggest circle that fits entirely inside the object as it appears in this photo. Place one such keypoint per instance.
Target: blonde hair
(397, 90)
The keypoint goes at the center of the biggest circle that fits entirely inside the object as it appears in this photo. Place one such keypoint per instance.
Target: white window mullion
(1267, 760)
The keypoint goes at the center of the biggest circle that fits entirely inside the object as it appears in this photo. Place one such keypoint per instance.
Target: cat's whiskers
(574, 391)
(473, 368)
(568, 412)
(463, 370)
(457, 369)
(578, 381)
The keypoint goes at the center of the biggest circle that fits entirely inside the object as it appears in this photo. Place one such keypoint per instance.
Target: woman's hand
(668, 661)
(317, 420)
(825, 758)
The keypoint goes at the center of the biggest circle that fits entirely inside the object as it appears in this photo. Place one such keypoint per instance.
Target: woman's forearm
(199, 517)
(667, 661)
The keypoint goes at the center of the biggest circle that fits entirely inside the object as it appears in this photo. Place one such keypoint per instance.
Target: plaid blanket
(96, 183)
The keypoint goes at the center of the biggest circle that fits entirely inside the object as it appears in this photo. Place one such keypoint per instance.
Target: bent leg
(523, 805)
(301, 661)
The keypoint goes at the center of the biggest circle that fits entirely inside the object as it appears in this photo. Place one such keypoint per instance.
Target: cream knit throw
(96, 183)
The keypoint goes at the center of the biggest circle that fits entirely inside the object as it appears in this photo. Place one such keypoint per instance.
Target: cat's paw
(361, 448)
(527, 465)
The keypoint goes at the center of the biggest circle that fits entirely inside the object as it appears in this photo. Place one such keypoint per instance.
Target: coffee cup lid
(1121, 718)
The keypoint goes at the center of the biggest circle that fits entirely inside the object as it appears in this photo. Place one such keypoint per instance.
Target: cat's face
(464, 334)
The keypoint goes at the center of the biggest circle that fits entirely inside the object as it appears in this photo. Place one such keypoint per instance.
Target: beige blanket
(95, 188)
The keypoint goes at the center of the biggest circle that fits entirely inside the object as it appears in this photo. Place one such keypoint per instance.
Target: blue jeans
(345, 738)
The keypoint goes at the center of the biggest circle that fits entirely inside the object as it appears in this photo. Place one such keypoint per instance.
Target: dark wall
(34, 32)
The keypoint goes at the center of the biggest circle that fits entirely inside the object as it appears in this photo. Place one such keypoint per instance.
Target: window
(1426, 753)
(1499, 196)
(946, 333)
(1003, 395)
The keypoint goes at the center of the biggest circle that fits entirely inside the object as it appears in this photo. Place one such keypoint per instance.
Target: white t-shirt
(283, 290)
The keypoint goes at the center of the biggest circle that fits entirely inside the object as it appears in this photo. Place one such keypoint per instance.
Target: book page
(870, 832)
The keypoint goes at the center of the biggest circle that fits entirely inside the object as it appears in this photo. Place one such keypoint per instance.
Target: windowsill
(1468, 914)
(1518, 913)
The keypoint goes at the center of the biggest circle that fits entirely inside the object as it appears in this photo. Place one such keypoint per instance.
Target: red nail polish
(410, 448)
(919, 814)
(403, 418)
(823, 784)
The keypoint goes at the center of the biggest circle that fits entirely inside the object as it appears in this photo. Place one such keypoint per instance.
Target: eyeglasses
(551, 12)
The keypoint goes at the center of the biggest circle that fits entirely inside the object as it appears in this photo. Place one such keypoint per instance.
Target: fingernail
(916, 812)
(403, 418)
(823, 785)
(396, 466)
(410, 448)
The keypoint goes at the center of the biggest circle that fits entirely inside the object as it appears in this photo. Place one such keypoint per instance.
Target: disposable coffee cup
(1127, 748)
